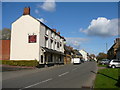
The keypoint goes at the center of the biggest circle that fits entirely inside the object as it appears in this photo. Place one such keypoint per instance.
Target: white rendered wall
(84, 54)
(49, 38)
(42, 35)
(20, 48)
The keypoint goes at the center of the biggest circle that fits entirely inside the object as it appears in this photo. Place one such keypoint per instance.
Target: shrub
(20, 62)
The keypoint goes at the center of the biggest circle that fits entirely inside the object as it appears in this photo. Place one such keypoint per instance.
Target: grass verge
(99, 65)
(107, 78)
(20, 62)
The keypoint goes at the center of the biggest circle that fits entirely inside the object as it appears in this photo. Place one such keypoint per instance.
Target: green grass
(0, 62)
(99, 65)
(107, 78)
(20, 62)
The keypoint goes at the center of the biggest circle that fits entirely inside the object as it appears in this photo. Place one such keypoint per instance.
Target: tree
(92, 56)
(101, 56)
(5, 34)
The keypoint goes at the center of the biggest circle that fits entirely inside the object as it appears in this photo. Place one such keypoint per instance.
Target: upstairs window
(32, 38)
(46, 31)
(58, 45)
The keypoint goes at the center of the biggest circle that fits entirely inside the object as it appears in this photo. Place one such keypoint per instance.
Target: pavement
(63, 76)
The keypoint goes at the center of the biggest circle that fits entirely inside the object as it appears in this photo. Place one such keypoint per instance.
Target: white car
(76, 61)
(114, 63)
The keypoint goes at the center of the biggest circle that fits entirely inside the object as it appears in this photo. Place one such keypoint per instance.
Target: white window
(52, 34)
(51, 44)
(47, 43)
(47, 31)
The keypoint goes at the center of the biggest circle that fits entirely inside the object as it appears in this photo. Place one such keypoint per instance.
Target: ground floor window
(41, 58)
(45, 58)
(50, 58)
(60, 58)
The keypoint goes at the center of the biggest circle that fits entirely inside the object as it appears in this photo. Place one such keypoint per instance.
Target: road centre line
(63, 74)
(74, 69)
(37, 83)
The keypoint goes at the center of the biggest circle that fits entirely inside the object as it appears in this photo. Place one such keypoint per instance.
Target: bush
(20, 62)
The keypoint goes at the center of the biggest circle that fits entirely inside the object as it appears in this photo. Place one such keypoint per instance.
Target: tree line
(5, 34)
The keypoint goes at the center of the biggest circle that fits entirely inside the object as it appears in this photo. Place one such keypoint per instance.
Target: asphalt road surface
(65, 76)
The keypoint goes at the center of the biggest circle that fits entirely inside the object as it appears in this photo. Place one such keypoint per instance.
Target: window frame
(31, 40)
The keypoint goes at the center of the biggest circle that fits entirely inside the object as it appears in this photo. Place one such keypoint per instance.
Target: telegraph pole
(106, 48)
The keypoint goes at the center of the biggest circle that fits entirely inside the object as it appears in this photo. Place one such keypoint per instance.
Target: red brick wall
(4, 49)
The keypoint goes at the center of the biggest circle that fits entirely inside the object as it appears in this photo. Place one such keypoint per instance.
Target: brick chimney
(62, 37)
(54, 30)
(58, 33)
(26, 11)
(117, 40)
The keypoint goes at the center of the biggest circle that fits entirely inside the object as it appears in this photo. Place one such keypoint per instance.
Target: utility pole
(106, 48)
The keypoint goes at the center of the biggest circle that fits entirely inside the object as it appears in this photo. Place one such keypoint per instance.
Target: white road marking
(63, 74)
(37, 83)
(74, 69)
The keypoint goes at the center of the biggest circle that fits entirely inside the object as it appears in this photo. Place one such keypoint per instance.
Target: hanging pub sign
(32, 38)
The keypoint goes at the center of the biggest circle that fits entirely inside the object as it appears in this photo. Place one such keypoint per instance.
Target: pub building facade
(33, 40)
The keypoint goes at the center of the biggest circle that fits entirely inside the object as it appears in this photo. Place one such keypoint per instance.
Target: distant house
(68, 54)
(118, 53)
(84, 55)
(76, 54)
(4, 49)
(113, 52)
(33, 40)
(71, 53)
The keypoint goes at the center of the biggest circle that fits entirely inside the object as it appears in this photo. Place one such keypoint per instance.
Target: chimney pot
(59, 33)
(62, 37)
(54, 30)
(26, 11)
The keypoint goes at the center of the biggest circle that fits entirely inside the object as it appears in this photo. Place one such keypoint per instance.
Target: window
(46, 31)
(51, 44)
(60, 44)
(50, 58)
(55, 41)
(46, 43)
(52, 34)
(32, 38)
(41, 58)
(117, 61)
(57, 44)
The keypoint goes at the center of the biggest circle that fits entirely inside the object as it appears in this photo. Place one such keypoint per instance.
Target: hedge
(20, 62)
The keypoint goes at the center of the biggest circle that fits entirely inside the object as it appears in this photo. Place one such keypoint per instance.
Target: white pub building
(33, 40)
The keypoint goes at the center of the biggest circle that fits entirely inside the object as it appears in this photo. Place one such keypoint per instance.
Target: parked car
(114, 63)
(76, 61)
(82, 61)
(104, 61)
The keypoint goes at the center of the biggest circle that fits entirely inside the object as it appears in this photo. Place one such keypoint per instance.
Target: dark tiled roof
(52, 51)
(77, 52)
(48, 27)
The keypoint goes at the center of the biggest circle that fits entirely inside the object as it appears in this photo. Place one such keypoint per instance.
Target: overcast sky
(87, 26)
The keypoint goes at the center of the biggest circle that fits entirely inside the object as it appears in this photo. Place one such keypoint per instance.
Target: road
(66, 76)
